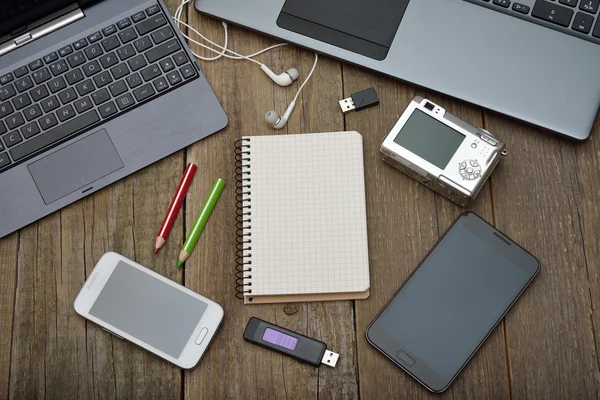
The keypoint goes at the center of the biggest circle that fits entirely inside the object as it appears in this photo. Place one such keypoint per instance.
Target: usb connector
(359, 101)
(330, 358)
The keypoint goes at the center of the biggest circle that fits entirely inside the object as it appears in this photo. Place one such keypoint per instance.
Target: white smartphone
(137, 304)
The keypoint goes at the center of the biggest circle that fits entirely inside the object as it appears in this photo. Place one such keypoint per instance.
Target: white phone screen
(148, 309)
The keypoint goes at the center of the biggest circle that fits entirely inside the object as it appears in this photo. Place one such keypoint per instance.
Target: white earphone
(284, 79)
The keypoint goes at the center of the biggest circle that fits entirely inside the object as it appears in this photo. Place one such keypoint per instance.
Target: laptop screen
(16, 15)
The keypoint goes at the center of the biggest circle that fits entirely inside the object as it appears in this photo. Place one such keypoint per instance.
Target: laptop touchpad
(367, 27)
(75, 166)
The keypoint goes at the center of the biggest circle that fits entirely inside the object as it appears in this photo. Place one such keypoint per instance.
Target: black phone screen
(449, 305)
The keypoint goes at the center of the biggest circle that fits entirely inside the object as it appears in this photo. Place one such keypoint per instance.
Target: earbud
(285, 78)
(278, 122)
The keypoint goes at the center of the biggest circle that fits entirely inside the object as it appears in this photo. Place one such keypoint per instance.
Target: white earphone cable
(308, 77)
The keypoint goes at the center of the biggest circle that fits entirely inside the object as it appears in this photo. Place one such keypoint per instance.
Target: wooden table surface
(545, 195)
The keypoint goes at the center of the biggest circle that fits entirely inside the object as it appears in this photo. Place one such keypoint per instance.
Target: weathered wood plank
(246, 94)
(8, 279)
(551, 340)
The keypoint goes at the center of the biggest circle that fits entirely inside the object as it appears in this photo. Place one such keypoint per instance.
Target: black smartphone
(452, 301)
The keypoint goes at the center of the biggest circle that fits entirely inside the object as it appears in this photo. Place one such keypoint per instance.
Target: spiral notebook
(302, 220)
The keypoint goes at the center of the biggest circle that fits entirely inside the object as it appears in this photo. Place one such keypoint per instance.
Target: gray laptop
(534, 60)
(90, 92)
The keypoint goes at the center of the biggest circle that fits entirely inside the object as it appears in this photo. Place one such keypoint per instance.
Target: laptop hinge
(42, 30)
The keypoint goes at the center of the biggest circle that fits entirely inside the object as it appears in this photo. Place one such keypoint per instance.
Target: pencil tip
(155, 250)
(179, 264)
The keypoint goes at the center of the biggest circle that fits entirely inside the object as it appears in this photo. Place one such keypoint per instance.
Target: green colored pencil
(209, 205)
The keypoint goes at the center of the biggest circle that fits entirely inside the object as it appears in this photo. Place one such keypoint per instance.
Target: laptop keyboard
(94, 79)
(575, 17)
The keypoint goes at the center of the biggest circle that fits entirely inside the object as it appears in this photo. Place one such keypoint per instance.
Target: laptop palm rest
(75, 166)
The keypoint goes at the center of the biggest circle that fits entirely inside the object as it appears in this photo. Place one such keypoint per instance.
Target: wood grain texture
(552, 344)
(8, 285)
(246, 94)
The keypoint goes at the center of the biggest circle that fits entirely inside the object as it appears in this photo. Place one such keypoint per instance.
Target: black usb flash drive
(292, 344)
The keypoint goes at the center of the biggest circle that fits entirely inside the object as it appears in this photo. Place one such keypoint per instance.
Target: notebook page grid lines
(308, 226)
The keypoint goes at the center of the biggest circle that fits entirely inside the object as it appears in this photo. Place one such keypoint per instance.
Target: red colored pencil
(175, 206)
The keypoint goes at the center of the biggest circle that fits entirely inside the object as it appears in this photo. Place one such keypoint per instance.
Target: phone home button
(405, 358)
(201, 335)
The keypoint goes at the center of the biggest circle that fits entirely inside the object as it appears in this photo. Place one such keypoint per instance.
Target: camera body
(443, 152)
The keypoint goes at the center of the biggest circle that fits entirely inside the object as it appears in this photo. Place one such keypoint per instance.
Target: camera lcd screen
(429, 139)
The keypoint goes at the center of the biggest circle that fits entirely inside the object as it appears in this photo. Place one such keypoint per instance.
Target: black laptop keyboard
(575, 17)
(96, 78)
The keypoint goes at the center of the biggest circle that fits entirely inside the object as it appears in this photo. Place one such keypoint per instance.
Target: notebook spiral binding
(243, 218)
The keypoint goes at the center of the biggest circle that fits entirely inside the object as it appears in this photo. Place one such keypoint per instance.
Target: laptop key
(23, 84)
(65, 51)
(163, 50)
(5, 109)
(91, 68)
(50, 58)
(85, 87)
(49, 104)
(152, 23)
(522, 8)
(124, 23)
(134, 80)
(187, 71)
(166, 65)
(12, 139)
(93, 51)
(19, 72)
(553, 13)
(103, 79)
(162, 34)
(590, 6)
(21, 101)
(111, 43)
(174, 78)
(57, 84)
(83, 105)
(126, 52)
(137, 63)
(107, 109)
(80, 44)
(4, 79)
(117, 88)
(4, 160)
(2, 130)
(36, 64)
(125, 101)
(143, 92)
(76, 59)
(596, 32)
(32, 112)
(74, 76)
(109, 30)
(14, 121)
(143, 44)
(47, 121)
(151, 72)
(6, 92)
(39, 93)
(67, 95)
(30, 130)
(58, 67)
(180, 58)
(137, 17)
(100, 96)
(502, 3)
(119, 71)
(152, 10)
(65, 113)
(108, 60)
(127, 35)
(570, 3)
(41, 76)
(52, 136)
(160, 84)
(583, 22)
(94, 37)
